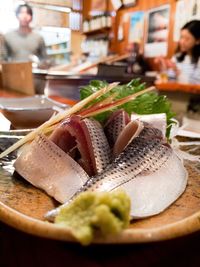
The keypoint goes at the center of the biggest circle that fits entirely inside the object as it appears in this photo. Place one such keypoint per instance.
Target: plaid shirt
(2, 48)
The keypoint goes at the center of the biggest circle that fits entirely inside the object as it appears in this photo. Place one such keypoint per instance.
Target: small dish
(29, 112)
(190, 128)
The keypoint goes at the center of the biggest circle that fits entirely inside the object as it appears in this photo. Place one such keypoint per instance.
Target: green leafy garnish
(147, 103)
(91, 88)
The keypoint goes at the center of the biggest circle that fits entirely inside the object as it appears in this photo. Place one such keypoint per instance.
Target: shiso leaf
(148, 103)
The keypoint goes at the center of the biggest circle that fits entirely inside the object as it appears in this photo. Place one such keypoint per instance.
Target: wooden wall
(142, 5)
(44, 17)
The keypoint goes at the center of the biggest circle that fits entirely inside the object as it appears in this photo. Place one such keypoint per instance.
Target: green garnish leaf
(91, 88)
(148, 103)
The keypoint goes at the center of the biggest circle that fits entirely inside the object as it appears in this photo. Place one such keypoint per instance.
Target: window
(8, 20)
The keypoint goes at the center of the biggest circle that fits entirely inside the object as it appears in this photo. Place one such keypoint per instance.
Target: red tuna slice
(85, 141)
(115, 124)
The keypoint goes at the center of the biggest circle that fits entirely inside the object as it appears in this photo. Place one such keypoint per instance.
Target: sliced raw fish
(149, 171)
(158, 121)
(130, 131)
(46, 166)
(153, 191)
(115, 124)
(150, 132)
(141, 155)
(85, 141)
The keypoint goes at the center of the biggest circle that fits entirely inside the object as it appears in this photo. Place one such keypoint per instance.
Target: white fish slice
(158, 121)
(153, 192)
(130, 131)
(46, 166)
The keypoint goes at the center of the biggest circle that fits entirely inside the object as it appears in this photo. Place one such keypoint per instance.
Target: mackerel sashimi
(48, 167)
(149, 171)
(85, 141)
(145, 166)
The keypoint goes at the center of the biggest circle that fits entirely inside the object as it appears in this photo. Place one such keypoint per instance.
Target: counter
(59, 83)
(178, 87)
(180, 95)
(69, 85)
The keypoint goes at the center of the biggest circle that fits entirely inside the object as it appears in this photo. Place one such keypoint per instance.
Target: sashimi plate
(23, 207)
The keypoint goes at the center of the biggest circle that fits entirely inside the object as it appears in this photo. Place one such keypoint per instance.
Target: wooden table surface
(180, 87)
(18, 249)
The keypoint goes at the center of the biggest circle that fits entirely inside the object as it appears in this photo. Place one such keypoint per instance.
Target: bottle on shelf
(97, 22)
(86, 26)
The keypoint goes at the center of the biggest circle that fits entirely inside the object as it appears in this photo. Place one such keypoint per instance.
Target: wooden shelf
(62, 3)
(98, 31)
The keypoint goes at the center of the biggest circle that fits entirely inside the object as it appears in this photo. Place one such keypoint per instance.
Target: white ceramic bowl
(29, 112)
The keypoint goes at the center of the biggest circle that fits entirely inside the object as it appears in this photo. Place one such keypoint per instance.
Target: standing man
(23, 43)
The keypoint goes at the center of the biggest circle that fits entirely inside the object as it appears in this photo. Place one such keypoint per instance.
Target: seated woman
(186, 62)
(187, 59)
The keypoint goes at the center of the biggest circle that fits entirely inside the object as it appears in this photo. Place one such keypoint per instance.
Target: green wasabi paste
(104, 212)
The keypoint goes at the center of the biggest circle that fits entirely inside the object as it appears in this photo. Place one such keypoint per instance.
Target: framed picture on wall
(157, 30)
(136, 30)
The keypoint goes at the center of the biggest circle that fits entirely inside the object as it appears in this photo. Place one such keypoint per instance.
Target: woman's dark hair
(194, 28)
(28, 8)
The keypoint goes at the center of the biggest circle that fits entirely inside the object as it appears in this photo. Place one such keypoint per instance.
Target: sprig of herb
(148, 103)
